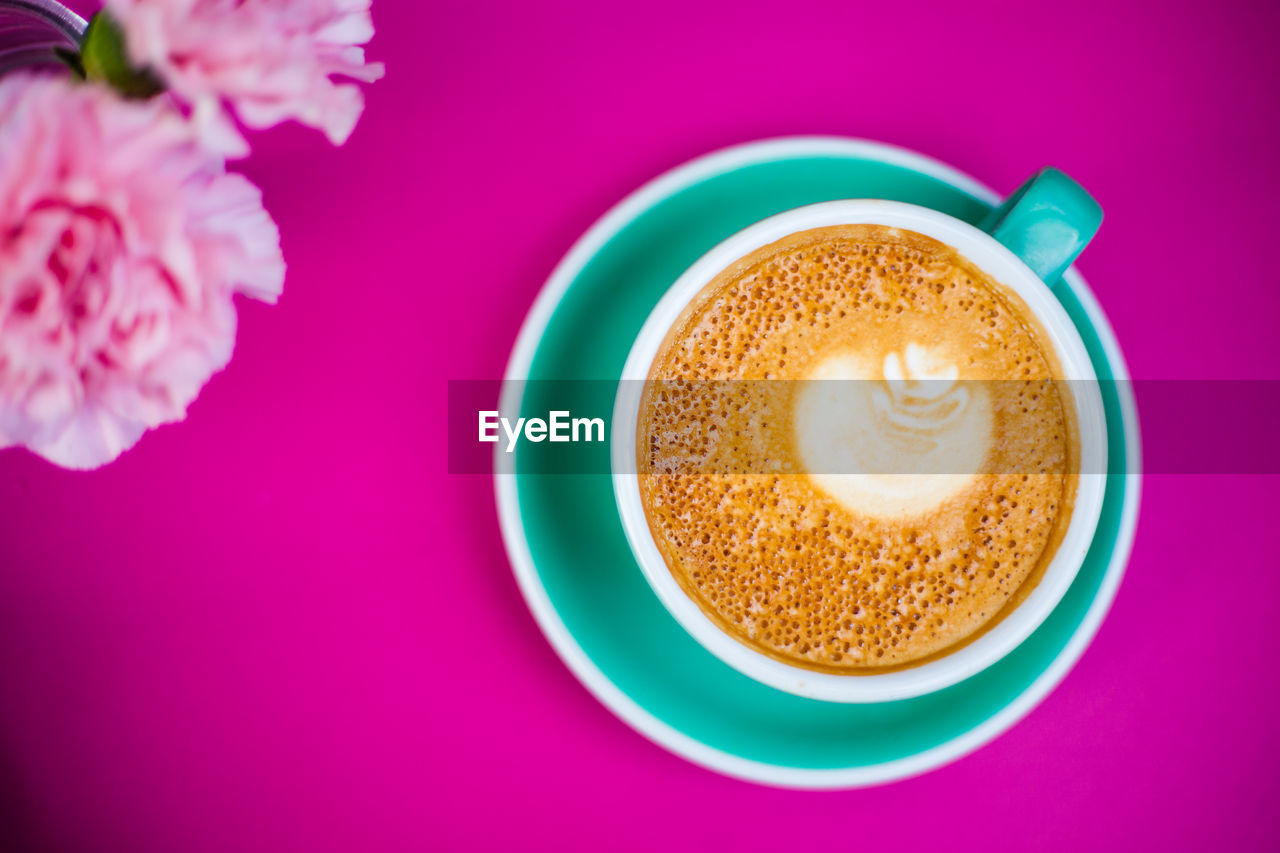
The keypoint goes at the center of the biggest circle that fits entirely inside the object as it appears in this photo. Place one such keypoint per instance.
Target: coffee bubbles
(852, 450)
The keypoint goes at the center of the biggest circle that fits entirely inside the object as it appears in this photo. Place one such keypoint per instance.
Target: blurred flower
(268, 60)
(122, 242)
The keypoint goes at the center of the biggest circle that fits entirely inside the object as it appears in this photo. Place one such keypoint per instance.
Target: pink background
(282, 625)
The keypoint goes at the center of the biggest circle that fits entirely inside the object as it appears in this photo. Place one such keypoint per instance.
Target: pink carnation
(269, 60)
(122, 242)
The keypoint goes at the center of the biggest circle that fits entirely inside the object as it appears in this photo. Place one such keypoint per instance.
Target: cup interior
(1001, 265)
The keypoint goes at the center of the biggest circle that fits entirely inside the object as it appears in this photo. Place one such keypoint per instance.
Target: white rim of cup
(1004, 267)
(599, 685)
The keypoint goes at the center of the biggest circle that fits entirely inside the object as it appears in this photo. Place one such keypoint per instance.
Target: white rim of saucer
(596, 682)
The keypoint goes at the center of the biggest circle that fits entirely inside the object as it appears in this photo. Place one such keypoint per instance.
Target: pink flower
(269, 60)
(122, 242)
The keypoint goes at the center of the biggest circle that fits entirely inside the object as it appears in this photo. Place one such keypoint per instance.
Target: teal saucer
(571, 558)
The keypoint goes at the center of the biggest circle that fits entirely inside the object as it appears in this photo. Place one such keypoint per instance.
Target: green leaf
(103, 57)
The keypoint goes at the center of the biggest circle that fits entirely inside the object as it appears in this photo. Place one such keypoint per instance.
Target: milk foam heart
(892, 440)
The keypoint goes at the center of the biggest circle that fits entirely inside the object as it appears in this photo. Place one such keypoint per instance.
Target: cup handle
(1047, 223)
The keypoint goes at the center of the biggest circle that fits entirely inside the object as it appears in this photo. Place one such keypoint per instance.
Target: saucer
(571, 558)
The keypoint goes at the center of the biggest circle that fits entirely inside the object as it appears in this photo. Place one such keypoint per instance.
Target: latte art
(893, 496)
(882, 445)
(920, 399)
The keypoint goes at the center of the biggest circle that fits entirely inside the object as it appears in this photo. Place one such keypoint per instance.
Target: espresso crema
(878, 461)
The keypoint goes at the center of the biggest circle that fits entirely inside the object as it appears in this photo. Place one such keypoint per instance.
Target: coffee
(873, 523)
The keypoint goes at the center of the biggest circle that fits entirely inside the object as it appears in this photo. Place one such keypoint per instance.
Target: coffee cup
(1023, 247)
